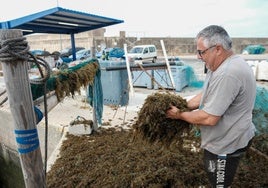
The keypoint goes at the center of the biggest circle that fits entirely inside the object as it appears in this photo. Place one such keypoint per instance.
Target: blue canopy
(59, 21)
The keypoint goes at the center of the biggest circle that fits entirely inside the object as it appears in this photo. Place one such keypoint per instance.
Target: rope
(39, 62)
(14, 49)
(27, 140)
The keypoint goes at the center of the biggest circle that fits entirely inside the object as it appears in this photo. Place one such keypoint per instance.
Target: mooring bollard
(13, 56)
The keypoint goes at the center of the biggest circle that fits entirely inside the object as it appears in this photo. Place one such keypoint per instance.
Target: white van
(143, 52)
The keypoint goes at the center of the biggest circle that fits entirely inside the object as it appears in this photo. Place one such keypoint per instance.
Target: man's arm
(194, 103)
(199, 117)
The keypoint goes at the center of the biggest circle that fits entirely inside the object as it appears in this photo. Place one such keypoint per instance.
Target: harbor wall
(175, 46)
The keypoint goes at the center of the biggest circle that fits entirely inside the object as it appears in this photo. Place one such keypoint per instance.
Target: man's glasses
(201, 52)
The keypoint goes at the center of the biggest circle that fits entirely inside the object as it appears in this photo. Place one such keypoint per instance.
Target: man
(223, 109)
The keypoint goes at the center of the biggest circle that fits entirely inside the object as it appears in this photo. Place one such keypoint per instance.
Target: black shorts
(221, 169)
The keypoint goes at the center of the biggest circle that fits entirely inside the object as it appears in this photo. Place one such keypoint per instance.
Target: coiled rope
(12, 50)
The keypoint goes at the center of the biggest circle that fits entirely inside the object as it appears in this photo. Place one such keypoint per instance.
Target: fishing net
(260, 112)
(194, 81)
(191, 77)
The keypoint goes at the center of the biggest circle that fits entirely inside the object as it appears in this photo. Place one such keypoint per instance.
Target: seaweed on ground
(110, 158)
(136, 157)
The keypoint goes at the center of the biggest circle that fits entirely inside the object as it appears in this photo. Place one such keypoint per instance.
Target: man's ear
(219, 49)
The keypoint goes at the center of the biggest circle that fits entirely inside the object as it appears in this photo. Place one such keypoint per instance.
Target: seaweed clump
(71, 80)
(152, 124)
(68, 81)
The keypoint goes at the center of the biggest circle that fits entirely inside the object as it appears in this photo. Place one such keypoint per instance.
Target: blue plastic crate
(114, 84)
(179, 74)
(141, 79)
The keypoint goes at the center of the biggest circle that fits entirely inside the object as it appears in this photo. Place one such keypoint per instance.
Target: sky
(168, 18)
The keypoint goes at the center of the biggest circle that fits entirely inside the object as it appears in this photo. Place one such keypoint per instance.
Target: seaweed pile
(110, 158)
(135, 157)
(152, 124)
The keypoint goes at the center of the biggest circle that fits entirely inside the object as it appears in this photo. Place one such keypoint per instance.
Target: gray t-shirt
(229, 92)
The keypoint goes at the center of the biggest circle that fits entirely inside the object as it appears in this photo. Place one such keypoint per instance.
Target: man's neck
(224, 56)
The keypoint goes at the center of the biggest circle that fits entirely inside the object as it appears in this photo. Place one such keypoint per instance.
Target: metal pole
(129, 72)
(168, 65)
